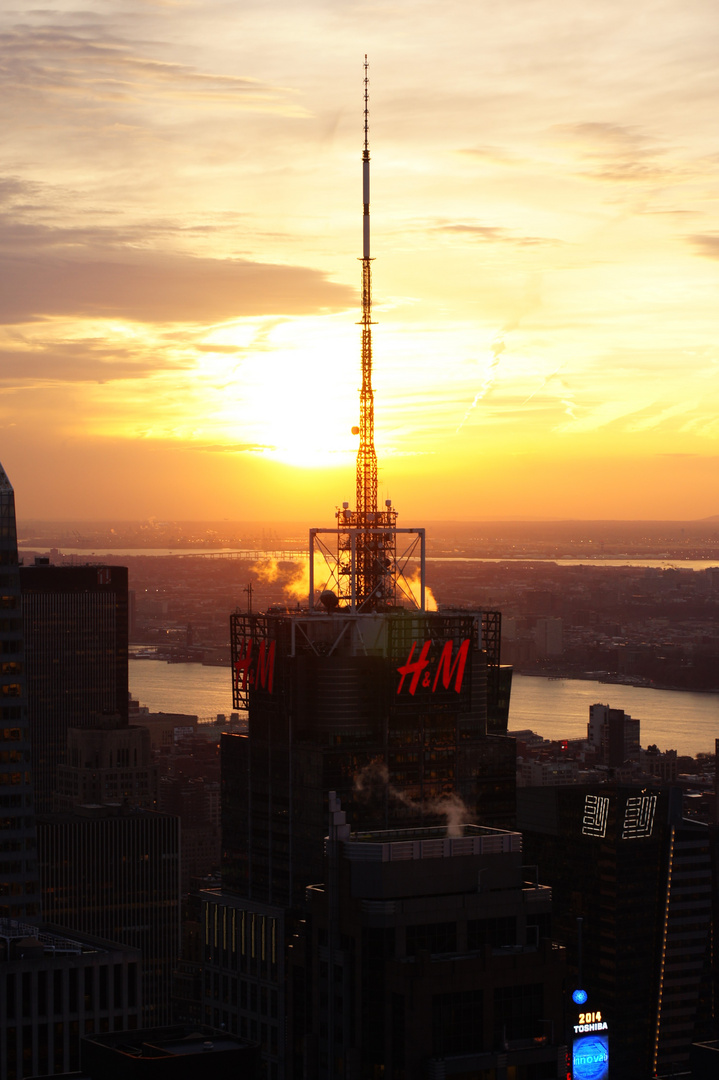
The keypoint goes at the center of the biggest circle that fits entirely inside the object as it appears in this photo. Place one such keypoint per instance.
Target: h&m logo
(254, 672)
(446, 669)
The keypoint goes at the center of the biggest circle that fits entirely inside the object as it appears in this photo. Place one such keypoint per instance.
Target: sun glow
(292, 393)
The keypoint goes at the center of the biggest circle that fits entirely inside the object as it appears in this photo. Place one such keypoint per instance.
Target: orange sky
(180, 217)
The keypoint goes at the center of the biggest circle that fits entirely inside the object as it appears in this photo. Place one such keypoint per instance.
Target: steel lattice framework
(365, 570)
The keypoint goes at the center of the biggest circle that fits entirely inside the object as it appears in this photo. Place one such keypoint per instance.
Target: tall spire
(366, 455)
(365, 568)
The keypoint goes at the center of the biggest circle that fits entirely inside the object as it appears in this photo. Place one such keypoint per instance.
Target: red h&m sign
(252, 672)
(447, 669)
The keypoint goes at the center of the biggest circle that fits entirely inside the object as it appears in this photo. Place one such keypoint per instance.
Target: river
(555, 708)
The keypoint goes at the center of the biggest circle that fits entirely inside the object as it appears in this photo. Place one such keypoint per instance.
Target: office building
(614, 735)
(56, 988)
(400, 711)
(633, 893)
(172, 1053)
(109, 763)
(52, 988)
(426, 954)
(76, 632)
(388, 709)
(19, 882)
(196, 802)
(111, 872)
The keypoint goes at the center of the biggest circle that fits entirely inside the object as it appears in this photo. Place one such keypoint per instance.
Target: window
(517, 1010)
(497, 932)
(432, 937)
(457, 1022)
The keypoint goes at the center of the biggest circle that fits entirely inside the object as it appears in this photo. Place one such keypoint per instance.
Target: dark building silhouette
(172, 1053)
(195, 801)
(622, 860)
(400, 711)
(54, 988)
(390, 709)
(614, 734)
(426, 954)
(19, 882)
(114, 873)
(76, 633)
(109, 763)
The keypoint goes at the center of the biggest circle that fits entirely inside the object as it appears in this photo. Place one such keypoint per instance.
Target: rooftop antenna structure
(366, 572)
(366, 455)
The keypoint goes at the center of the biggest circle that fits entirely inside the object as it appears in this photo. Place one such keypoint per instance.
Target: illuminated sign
(590, 1045)
(639, 816)
(639, 812)
(254, 670)
(596, 812)
(446, 668)
(590, 1057)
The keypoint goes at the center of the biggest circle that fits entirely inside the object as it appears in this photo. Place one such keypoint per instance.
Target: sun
(292, 394)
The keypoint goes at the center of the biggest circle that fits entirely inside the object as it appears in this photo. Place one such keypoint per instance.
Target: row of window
(82, 991)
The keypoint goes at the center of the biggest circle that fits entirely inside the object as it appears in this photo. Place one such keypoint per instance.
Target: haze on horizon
(180, 216)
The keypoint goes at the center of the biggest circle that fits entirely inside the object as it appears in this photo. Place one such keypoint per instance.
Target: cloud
(24, 362)
(707, 244)
(617, 153)
(234, 448)
(90, 67)
(493, 234)
(494, 155)
(167, 288)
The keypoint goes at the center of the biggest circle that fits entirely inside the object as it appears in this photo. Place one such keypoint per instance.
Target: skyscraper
(389, 709)
(621, 859)
(426, 955)
(76, 632)
(113, 873)
(401, 711)
(52, 988)
(19, 885)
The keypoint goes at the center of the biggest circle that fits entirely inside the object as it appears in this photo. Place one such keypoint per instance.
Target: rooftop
(401, 845)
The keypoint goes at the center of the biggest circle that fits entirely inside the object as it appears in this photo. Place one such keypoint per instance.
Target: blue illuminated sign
(579, 997)
(590, 1057)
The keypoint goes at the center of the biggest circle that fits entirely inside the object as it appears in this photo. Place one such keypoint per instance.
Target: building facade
(19, 880)
(632, 883)
(76, 633)
(111, 762)
(53, 990)
(426, 954)
(403, 714)
(114, 873)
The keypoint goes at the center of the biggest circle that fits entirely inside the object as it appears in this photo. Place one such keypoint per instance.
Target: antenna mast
(366, 455)
(365, 569)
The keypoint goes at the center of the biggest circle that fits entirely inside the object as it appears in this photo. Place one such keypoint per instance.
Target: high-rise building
(76, 633)
(390, 709)
(426, 955)
(400, 711)
(19, 883)
(180, 1052)
(633, 894)
(614, 734)
(109, 763)
(113, 873)
(55, 988)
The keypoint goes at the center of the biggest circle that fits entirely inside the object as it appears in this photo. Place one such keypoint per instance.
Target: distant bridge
(251, 555)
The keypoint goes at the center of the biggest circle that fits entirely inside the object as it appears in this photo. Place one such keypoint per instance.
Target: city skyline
(180, 214)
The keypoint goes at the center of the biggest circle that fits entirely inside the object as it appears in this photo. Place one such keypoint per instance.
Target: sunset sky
(180, 205)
